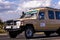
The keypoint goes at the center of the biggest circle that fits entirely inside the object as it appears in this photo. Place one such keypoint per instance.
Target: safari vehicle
(44, 19)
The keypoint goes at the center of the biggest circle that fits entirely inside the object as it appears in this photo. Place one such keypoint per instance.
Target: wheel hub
(29, 32)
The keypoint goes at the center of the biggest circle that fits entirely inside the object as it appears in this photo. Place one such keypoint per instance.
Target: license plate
(8, 26)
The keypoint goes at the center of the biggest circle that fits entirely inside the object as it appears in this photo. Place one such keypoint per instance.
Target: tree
(1, 24)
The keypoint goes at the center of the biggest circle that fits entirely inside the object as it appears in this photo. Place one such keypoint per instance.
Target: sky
(12, 9)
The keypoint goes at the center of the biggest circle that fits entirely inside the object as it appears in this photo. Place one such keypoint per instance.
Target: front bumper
(12, 29)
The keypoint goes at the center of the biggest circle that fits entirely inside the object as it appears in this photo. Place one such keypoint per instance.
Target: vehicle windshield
(29, 14)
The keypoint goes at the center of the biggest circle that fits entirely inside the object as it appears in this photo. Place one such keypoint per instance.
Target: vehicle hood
(22, 19)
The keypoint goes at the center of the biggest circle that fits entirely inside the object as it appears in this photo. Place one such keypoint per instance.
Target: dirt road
(36, 37)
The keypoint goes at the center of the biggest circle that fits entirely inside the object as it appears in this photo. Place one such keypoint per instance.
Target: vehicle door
(50, 20)
(42, 20)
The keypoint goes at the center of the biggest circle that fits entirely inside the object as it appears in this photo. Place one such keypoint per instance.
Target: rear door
(51, 20)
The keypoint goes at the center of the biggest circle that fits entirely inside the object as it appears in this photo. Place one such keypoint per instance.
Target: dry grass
(2, 31)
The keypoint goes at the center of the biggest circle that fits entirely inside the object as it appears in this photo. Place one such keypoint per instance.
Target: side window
(41, 15)
(57, 13)
(51, 14)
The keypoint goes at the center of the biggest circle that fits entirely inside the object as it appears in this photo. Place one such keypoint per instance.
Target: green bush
(2, 24)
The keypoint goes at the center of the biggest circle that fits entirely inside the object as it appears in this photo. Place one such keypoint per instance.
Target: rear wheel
(29, 31)
(47, 33)
(58, 32)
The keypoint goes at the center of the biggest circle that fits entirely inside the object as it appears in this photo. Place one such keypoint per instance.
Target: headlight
(18, 23)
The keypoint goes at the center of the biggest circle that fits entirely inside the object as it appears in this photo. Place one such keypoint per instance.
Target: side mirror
(23, 14)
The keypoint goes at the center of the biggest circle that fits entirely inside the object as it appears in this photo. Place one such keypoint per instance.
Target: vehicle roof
(39, 8)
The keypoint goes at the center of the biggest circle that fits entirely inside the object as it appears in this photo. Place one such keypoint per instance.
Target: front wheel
(29, 32)
(13, 34)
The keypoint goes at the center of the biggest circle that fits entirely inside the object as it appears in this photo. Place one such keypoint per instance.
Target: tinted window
(57, 15)
(41, 15)
(51, 14)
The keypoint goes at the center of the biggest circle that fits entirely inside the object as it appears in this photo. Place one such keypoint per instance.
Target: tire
(29, 31)
(58, 31)
(47, 34)
(13, 34)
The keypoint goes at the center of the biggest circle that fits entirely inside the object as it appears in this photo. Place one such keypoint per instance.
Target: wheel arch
(31, 25)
